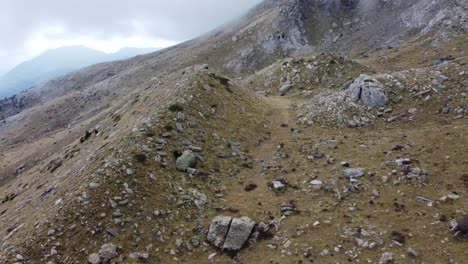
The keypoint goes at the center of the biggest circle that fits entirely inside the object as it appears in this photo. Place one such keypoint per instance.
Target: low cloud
(58, 21)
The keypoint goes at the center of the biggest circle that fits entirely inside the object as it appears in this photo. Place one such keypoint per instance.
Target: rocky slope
(327, 131)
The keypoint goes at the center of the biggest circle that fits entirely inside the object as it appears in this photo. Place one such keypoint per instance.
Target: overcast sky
(29, 27)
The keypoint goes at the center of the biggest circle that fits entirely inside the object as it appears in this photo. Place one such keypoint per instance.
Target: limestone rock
(187, 160)
(353, 173)
(239, 232)
(367, 91)
(218, 230)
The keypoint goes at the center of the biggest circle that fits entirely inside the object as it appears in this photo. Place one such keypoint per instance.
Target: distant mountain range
(55, 63)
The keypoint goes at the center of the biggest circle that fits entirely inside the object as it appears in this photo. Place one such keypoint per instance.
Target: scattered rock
(51, 232)
(139, 255)
(94, 258)
(288, 209)
(278, 185)
(353, 173)
(187, 160)
(316, 184)
(108, 252)
(412, 252)
(386, 258)
(284, 89)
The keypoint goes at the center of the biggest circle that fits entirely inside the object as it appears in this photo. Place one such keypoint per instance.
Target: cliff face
(301, 26)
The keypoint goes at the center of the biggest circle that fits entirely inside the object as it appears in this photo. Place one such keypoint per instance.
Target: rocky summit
(307, 131)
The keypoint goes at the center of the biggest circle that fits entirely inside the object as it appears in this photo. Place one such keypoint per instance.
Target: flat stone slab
(353, 173)
(218, 230)
(239, 232)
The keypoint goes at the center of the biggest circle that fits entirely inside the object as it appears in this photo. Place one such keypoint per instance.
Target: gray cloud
(175, 20)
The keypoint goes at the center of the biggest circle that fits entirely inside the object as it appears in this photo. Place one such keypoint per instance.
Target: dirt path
(254, 202)
(316, 153)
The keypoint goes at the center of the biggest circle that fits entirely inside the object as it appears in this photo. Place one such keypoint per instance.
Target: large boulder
(239, 232)
(367, 91)
(187, 160)
(218, 230)
(284, 89)
(229, 233)
(106, 254)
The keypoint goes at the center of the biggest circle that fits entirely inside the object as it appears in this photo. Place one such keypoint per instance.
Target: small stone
(93, 185)
(324, 253)
(375, 194)
(277, 185)
(108, 252)
(113, 232)
(453, 196)
(187, 160)
(401, 162)
(386, 258)
(412, 252)
(316, 184)
(19, 257)
(51, 232)
(139, 255)
(94, 258)
(123, 203)
(179, 243)
(58, 201)
(353, 173)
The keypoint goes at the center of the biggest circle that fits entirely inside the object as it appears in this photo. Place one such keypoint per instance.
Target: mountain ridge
(337, 151)
(55, 63)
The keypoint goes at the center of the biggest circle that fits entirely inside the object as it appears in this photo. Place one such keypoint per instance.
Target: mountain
(325, 131)
(55, 63)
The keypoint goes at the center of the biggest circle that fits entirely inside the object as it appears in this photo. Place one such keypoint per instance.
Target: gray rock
(353, 172)
(284, 89)
(179, 128)
(316, 184)
(277, 185)
(51, 232)
(139, 255)
(218, 230)
(239, 232)
(229, 233)
(412, 252)
(94, 258)
(375, 194)
(386, 258)
(113, 232)
(108, 252)
(187, 160)
(180, 116)
(367, 91)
